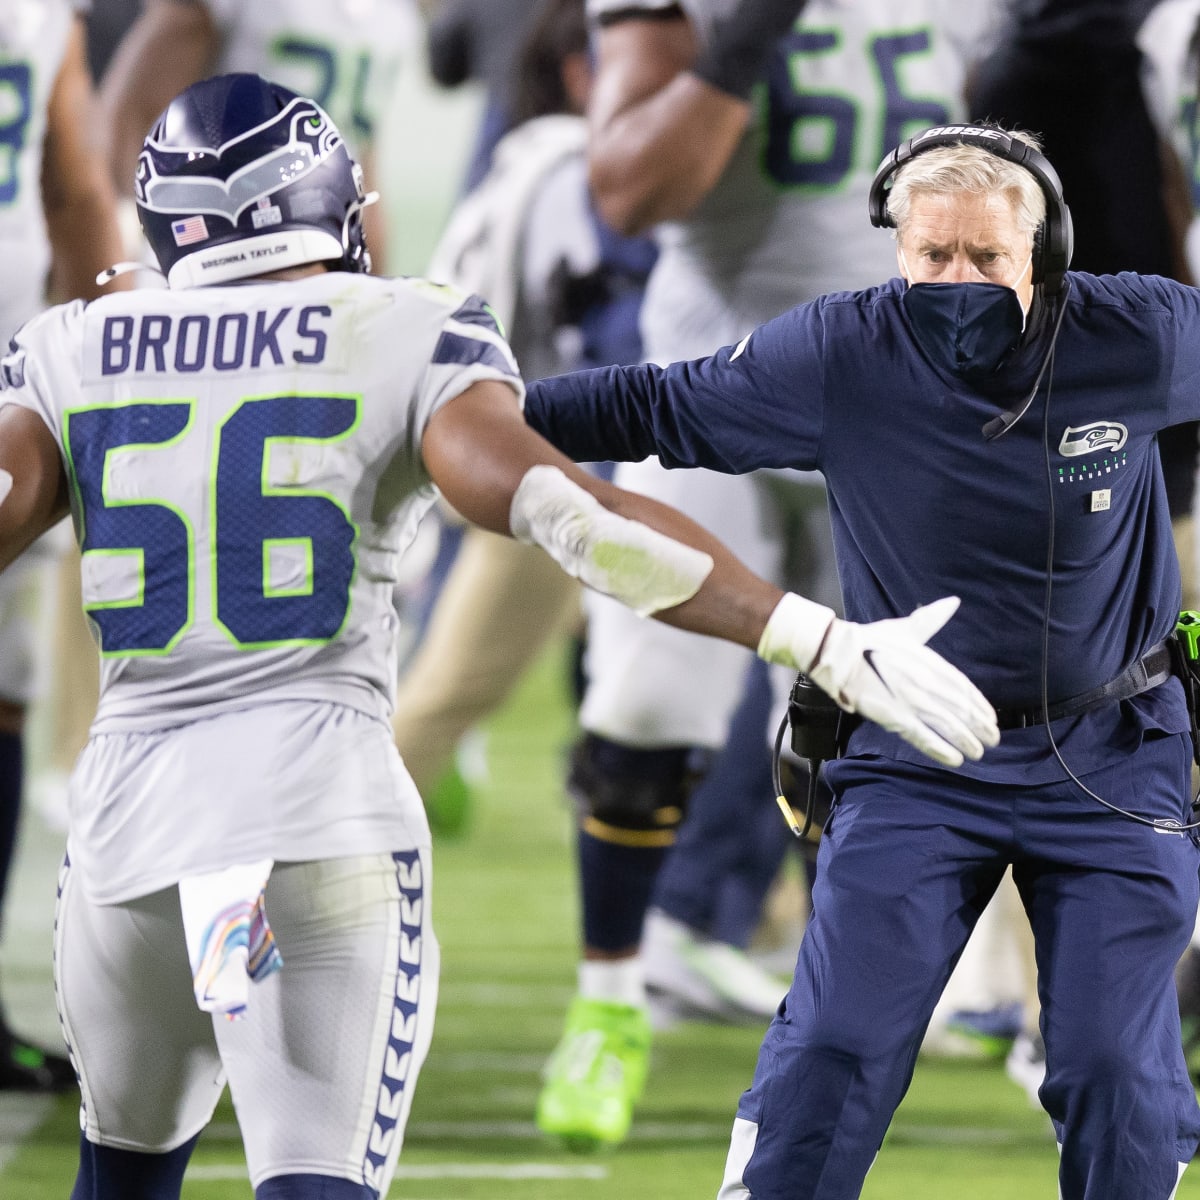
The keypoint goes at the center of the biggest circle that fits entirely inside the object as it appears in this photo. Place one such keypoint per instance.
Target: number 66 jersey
(245, 474)
(787, 219)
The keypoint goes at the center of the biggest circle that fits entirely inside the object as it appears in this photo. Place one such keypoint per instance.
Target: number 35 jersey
(345, 54)
(787, 220)
(246, 475)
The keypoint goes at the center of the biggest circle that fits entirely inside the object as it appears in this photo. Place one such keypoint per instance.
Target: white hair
(948, 170)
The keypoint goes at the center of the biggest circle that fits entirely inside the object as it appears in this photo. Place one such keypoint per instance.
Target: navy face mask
(968, 329)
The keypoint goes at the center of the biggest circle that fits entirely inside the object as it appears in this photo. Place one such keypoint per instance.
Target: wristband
(735, 57)
(794, 632)
(644, 569)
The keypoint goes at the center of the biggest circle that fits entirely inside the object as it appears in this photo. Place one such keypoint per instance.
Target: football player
(345, 54)
(747, 135)
(57, 231)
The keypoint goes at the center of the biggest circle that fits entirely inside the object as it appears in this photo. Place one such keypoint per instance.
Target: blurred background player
(345, 54)
(473, 43)
(1072, 69)
(1169, 41)
(58, 231)
(748, 140)
(479, 41)
(567, 290)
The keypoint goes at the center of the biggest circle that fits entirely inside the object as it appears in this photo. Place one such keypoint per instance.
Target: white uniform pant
(323, 1065)
(651, 685)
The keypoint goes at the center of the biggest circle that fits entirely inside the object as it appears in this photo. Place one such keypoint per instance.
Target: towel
(230, 945)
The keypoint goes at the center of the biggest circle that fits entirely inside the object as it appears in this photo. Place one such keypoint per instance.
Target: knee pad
(633, 797)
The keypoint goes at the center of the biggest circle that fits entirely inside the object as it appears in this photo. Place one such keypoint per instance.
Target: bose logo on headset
(957, 131)
(1055, 237)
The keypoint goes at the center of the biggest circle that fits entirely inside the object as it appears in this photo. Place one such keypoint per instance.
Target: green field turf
(505, 911)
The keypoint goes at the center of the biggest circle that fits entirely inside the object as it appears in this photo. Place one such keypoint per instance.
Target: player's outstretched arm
(33, 483)
(500, 474)
(479, 451)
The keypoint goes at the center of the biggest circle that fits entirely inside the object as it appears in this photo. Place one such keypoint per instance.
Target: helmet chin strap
(123, 268)
(368, 199)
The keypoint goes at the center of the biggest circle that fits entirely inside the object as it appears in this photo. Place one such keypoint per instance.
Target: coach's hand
(885, 672)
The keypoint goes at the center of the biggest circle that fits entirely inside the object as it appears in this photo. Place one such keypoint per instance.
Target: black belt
(1153, 668)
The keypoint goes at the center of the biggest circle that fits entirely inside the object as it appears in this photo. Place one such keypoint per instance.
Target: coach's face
(966, 237)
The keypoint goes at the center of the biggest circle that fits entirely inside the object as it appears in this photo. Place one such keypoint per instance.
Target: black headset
(1054, 240)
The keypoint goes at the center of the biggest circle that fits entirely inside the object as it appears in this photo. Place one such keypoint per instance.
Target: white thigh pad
(147, 1057)
(323, 1068)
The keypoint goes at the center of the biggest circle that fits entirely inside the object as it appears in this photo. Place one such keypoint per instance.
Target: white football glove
(885, 672)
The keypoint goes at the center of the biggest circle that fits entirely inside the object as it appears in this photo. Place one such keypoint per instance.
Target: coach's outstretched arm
(501, 475)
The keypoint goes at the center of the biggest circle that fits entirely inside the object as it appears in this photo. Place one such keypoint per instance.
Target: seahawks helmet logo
(1096, 438)
(312, 139)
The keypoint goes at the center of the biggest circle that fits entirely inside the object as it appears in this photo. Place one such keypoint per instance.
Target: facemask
(966, 328)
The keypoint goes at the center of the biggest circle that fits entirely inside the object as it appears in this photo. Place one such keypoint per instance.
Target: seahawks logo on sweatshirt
(1096, 438)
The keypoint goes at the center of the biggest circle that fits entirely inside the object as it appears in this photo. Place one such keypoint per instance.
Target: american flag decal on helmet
(192, 229)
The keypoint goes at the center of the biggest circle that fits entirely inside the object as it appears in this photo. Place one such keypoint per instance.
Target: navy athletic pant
(909, 859)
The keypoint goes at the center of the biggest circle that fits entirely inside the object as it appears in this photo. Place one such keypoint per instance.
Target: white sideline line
(504, 1171)
(531, 1170)
(956, 1135)
(552, 997)
(662, 1131)
(20, 1116)
(527, 1131)
(470, 1062)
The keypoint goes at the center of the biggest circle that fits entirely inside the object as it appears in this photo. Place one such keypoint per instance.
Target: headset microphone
(999, 426)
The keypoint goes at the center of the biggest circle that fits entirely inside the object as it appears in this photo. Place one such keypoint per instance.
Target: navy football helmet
(240, 176)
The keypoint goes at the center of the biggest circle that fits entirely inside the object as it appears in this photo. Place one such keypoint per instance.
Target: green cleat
(595, 1075)
(449, 805)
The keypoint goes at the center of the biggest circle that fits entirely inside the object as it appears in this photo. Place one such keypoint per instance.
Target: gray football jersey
(787, 220)
(33, 40)
(246, 475)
